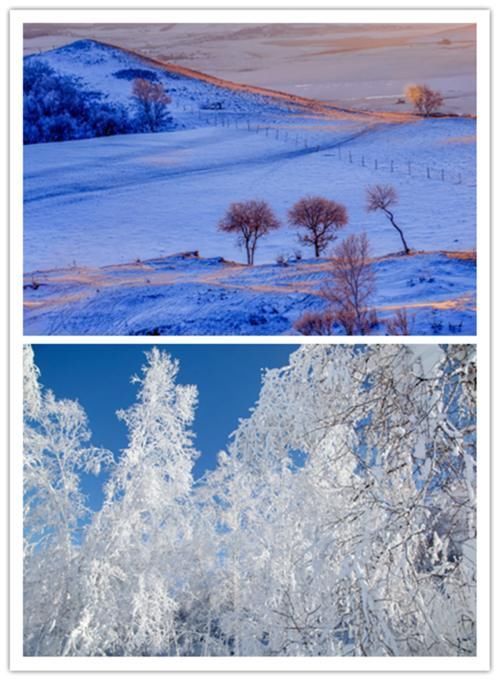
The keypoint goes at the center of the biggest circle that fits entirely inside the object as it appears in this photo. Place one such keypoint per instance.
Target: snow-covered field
(186, 295)
(98, 202)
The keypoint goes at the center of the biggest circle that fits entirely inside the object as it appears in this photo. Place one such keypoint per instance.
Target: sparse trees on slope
(250, 220)
(135, 575)
(56, 453)
(425, 100)
(151, 102)
(383, 197)
(320, 218)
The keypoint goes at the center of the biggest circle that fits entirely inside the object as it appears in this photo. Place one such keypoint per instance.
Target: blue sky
(98, 376)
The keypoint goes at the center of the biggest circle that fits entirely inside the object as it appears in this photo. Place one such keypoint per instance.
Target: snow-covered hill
(111, 70)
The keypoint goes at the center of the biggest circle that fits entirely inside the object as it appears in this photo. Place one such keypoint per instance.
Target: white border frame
(481, 18)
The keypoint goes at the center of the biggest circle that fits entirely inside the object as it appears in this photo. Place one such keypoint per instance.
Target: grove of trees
(340, 521)
(58, 108)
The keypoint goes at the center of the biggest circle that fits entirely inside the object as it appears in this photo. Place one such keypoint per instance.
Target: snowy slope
(181, 295)
(110, 70)
(111, 200)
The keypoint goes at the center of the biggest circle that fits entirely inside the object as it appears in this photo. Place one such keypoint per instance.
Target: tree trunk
(391, 218)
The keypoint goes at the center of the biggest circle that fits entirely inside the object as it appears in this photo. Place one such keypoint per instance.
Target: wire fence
(339, 149)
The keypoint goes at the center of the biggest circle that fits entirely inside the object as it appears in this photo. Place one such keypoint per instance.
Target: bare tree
(352, 286)
(425, 100)
(250, 220)
(151, 101)
(383, 197)
(321, 218)
(315, 323)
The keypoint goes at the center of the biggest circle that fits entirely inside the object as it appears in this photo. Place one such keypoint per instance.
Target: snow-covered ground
(187, 295)
(106, 200)
(96, 202)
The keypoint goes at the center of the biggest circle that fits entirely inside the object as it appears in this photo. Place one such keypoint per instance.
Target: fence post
(428, 173)
(392, 166)
(363, 161)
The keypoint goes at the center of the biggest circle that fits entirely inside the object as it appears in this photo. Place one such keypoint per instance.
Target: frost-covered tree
(134, 573)
(367, 546)
(56, 453)
(58, 107)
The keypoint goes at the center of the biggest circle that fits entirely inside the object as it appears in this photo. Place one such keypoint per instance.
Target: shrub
(399, 325)
(133, 74)
(315, 323)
